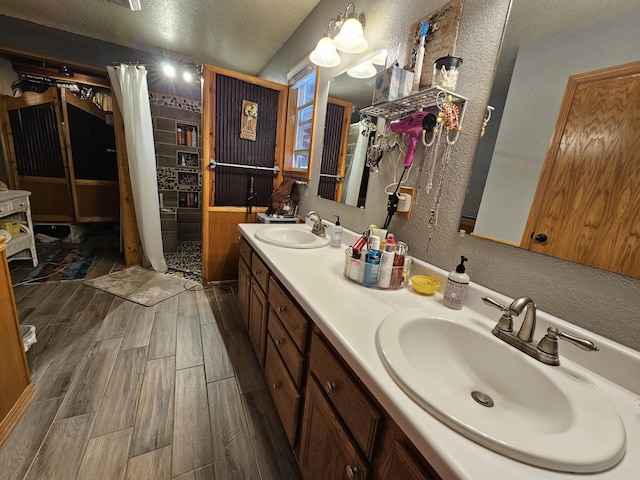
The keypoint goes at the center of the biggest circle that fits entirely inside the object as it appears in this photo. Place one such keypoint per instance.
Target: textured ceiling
(239, 34)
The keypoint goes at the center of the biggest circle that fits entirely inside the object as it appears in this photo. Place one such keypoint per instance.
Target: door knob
(541, 237)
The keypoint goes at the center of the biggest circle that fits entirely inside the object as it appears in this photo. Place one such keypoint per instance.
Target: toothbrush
(417, 71)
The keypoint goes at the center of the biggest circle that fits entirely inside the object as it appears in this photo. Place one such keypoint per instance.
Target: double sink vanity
(376, 383)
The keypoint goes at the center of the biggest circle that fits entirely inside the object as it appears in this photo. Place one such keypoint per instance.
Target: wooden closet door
(587, 203)
(37, 158)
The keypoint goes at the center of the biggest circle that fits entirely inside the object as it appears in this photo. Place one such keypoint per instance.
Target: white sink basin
(551, 417)
(291, 236)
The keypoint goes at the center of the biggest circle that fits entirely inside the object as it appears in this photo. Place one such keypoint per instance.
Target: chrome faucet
(318, 227)
(546, 351)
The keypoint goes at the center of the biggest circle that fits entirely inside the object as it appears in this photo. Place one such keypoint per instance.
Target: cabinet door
(258, 310)
(244, 290)
(326, 450)
(404, 466)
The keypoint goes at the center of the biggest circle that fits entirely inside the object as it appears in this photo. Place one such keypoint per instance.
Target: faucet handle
(492, 303)
(506, 321)
(549, 343)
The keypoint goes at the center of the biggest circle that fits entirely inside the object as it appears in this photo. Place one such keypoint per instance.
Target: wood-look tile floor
(124, 391)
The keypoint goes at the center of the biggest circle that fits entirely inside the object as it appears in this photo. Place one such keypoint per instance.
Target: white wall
(532, 107)
(599, 301)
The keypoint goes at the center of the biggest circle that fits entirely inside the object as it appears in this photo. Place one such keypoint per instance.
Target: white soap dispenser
(335, 234)
(457, 283)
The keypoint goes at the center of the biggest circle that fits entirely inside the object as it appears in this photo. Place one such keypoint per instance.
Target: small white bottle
(457, 283)
(335, 234)
(386, 264)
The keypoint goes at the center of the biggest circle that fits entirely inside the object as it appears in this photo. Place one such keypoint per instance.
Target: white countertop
(349, 314)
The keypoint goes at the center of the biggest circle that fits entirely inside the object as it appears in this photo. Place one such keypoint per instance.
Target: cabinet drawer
(289, 314)
(288, 351)
(285, 396)
(354, 406)
(260, 271)
(245, 251)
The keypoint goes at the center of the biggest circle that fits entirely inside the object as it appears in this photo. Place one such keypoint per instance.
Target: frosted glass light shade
(351, 37)
(364, 69)
(325, 54)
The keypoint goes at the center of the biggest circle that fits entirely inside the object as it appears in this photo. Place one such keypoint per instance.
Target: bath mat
(140, 285)
(63, 264)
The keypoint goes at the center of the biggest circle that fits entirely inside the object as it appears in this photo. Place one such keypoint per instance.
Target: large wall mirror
(344, 176)
(536, 61)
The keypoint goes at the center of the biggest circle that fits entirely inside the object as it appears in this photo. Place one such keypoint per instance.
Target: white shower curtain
(130, 88)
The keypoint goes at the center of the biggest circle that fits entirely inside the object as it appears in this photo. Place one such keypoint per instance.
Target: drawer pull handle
(276, 386)
(279, 342)
(330, 387)
(351, 472)
(281, 309)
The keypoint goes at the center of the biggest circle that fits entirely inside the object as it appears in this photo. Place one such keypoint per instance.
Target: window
(301, 108)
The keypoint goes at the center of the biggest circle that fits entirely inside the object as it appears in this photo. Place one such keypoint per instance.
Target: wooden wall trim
(128, 225)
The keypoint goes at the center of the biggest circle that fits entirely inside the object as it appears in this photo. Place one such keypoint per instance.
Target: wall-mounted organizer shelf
(188, 199)
(186, 134)
(423, 99)
(187, 159)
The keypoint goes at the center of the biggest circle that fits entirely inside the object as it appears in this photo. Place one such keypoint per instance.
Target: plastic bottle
(372, 262)
(335, 234)
(457, 283)
(398, 264)
(386, 263)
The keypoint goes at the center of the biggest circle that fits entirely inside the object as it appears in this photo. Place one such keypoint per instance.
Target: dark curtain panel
(93, 144)
(36, 141)
(232, 185)
(331, 150)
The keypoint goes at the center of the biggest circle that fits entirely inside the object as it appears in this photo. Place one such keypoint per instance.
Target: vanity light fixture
(364, 69)
(350, 38)
(325, 53)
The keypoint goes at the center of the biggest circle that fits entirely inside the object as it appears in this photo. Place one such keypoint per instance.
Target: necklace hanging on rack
(433, 218)
(434, 158)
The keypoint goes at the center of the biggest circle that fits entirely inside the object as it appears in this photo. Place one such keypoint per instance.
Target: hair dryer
(412, 125)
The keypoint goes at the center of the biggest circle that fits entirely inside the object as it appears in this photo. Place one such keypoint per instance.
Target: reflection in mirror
(536, 61)
(300, 121)
(344, 176)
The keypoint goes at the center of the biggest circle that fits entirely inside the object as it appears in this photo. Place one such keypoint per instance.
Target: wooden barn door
(93, 170)
(227, 189)
(36, 156)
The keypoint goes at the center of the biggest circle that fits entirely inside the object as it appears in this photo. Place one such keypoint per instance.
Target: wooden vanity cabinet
(333, 423)
(16, 391)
